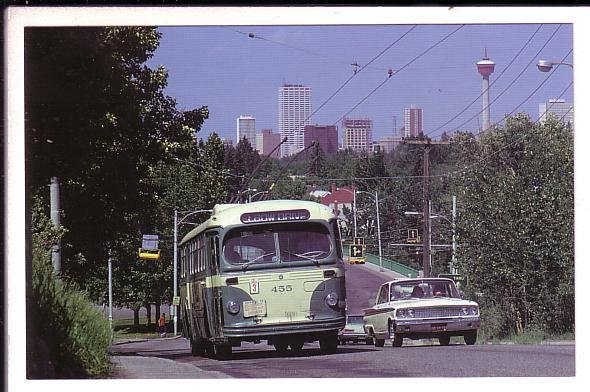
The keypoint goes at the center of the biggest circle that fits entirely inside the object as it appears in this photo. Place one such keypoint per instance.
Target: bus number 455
(282, 289)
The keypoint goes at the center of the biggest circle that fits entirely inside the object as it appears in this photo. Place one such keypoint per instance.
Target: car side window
(383, 294)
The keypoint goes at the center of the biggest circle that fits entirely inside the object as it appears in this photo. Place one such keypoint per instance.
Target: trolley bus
(269, 270)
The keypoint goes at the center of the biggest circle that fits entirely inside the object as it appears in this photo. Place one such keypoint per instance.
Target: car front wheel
(470, 337)
(396, 339)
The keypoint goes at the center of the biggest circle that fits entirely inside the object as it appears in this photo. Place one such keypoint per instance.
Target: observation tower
(485, 67)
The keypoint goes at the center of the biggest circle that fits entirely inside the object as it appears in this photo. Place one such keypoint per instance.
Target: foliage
(68, 336)
(97, 117)
(516, 223)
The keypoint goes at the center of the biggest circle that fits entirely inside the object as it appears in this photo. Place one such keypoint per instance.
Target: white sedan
(421, 308)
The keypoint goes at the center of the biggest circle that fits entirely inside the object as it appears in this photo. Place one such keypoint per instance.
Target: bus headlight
(233, 307)
(332, 299)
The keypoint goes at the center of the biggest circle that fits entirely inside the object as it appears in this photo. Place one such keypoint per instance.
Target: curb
(140, 340)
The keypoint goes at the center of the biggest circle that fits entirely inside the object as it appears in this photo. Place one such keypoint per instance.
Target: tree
(97, 117)
(516, 223)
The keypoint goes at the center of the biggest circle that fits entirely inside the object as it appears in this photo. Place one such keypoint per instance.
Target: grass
(124, 329)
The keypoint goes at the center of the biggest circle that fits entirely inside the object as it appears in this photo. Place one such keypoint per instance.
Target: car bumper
(353, 337)
(268, 330)
(436, 326)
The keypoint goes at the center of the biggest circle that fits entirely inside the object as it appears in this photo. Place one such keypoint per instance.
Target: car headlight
(473, 310)
(332, 299)
(405, 313)
(465, 310)
(233, 307)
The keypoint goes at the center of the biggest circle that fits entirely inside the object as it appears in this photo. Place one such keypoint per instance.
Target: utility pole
(55, 219)
(426, 143)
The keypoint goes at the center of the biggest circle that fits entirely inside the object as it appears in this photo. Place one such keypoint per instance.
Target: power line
(525, 68)
(392, 72)
(491, 84)
(468, 167)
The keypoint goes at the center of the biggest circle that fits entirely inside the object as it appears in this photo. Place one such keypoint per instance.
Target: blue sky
(223, 68)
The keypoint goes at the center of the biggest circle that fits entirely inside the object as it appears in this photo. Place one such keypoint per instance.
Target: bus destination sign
(274, 216)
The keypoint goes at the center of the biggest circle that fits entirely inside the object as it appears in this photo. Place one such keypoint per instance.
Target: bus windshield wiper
(303, 256)
(256, 260)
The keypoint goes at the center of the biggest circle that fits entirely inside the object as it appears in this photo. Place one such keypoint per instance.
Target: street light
(546, 66)
(378, 226)
(176, 224)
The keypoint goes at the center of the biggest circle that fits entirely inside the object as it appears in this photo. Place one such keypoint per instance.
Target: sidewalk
(133, 365)
(152, 367)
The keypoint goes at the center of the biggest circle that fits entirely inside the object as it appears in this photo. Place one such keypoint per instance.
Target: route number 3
(282, 289)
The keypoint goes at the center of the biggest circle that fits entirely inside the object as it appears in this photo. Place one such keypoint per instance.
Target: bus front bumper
(268, 330)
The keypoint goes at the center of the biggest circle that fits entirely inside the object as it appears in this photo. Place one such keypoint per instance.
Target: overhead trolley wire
(471, 165)
(491, 84)
(392, 72)
(525, 68)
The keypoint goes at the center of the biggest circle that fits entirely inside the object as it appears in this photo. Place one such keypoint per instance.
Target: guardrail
(392, 265)
(387, 263)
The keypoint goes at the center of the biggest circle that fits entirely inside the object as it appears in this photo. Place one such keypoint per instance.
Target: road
(418, 359)
(424, 358)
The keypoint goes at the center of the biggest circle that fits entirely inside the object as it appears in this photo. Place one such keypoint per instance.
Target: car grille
(447, 311)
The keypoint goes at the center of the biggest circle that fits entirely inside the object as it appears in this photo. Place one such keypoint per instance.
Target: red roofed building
(338, 199)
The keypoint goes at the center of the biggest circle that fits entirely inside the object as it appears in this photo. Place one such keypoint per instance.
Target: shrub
(68, 337)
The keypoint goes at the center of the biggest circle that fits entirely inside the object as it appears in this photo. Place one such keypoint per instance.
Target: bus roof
(231, 214)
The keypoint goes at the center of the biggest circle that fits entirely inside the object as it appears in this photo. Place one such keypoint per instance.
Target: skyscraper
(246, 128)
(562, 111)
(268, 142)
(294, 115)
(413, 122)
(326, 135)
(357, 134)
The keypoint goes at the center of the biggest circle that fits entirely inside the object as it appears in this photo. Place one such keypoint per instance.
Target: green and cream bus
(269, 270)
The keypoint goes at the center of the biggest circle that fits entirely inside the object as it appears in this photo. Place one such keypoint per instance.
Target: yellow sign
(356, 251)
(413, 237)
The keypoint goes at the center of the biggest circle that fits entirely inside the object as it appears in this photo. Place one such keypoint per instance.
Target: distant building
(294, 114)
(389, 143)
(269, 141)
(246, 128)
(326, 135)
(413, 122)
(227, 142)
(563, 111)
(357, 134)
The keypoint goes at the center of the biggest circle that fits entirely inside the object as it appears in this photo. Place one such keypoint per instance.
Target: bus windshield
(277, 243)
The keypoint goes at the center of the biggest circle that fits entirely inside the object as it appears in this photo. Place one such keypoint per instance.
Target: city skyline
(434, 68)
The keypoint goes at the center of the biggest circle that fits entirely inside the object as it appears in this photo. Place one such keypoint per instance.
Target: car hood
(429, 302)
(423, 303)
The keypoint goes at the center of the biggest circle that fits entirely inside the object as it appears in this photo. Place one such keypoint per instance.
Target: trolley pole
(110, 263)
(454, 255)
(174, 307)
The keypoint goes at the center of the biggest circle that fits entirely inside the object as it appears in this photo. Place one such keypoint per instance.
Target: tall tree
(516, 223)
(98, 119)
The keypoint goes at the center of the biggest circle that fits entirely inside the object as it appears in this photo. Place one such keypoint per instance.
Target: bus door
(212, 292)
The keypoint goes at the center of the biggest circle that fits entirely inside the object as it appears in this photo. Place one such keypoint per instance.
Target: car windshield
(423, 289)
(354, 320)
(277, 243)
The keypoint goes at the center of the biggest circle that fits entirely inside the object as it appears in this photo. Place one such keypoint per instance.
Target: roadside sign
(356, 251)
(413, 237)
(176, 301)
(458, 279)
